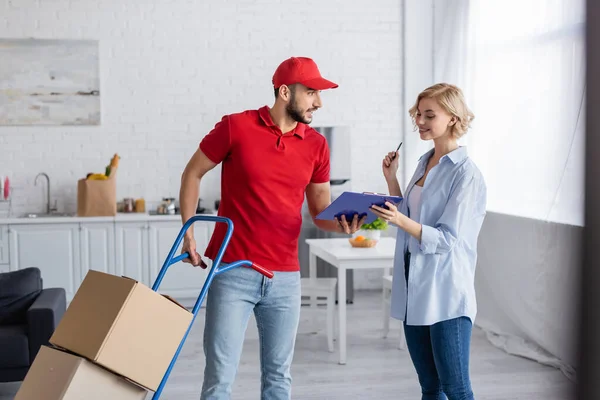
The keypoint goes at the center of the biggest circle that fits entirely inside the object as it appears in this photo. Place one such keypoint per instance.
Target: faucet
(49, 209)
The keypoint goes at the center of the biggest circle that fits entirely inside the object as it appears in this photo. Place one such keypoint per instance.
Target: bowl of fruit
(368, 235)
(362, 241)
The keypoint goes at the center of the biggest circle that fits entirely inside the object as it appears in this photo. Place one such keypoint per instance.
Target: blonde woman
(439, 221)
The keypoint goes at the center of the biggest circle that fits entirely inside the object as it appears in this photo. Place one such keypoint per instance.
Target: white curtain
(526, 80)
(451, 36)
(521, 66)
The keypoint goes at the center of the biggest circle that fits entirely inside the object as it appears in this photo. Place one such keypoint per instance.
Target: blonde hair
(451, 99)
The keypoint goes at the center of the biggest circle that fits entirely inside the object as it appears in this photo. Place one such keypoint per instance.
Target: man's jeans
(232, 297)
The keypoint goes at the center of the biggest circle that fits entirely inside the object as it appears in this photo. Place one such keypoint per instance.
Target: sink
(46, 215)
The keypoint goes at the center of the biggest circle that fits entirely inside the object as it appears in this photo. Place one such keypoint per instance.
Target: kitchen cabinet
(97, 242)
(181, 281)
(132, 246)
(4, 254)
(132, 251)
(53, 248)
(142, 248)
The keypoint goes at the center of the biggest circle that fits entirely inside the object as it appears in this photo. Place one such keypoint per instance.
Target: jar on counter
(140, 206)
(128, 205)
(169, 205)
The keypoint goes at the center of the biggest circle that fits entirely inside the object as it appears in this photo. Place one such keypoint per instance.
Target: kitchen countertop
(120, 217)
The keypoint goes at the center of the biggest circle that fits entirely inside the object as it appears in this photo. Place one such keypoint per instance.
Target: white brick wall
(171, 68)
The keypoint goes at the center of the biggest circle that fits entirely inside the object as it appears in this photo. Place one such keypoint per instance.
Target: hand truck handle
(172, 259)
(258, 268)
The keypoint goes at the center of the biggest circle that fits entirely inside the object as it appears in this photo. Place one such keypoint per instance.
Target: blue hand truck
(214, 271)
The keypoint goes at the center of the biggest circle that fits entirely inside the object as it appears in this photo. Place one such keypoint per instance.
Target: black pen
(394, 156)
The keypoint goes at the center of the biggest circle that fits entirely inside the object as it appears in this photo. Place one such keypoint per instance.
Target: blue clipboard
(350, 203)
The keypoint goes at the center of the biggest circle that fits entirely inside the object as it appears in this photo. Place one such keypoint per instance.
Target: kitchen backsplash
(27, 197)
(159, 95)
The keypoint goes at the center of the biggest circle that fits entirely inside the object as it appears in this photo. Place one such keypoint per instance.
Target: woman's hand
(390, 215)
(395, 217)
(390, 165)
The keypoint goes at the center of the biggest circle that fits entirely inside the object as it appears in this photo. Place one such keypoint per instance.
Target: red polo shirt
(263, 181)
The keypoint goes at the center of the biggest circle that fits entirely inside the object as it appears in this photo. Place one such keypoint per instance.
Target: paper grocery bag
(97, 198)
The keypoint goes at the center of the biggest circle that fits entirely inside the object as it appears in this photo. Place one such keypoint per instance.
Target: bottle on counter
(6, 188)
(140, 205)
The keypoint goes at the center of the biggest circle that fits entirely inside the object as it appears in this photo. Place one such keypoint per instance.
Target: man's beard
(295, 112)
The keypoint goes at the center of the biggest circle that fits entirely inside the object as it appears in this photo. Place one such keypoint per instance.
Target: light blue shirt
(441, 282)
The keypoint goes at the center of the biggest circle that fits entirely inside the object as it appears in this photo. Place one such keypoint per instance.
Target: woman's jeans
(440, 354)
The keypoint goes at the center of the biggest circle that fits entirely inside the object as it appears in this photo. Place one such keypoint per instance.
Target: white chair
(387, 304)
(322, 291)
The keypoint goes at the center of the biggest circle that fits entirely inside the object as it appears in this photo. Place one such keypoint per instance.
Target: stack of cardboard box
(115, 341)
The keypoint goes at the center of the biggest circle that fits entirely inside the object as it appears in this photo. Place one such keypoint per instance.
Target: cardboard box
(124, 326)
(57, 375)
(97, 198)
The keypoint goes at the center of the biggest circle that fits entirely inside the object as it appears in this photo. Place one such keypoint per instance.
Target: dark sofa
(28, 316)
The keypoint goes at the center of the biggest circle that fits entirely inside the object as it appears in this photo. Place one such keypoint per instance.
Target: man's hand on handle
(189, 246)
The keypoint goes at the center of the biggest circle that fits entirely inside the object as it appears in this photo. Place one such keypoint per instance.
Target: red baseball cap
(301, 70)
